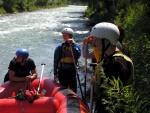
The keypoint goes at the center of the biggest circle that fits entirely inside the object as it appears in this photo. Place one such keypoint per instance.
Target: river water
(40, 32)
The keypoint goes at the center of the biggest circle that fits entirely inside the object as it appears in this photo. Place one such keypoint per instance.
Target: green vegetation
(77, 2)
(123, 98)
(134, 17)
(13, 6)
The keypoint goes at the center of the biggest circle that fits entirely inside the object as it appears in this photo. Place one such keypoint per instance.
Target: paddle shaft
(91, 99)
(85, 68)
(76, 72)
(92, 89)
(40, 77)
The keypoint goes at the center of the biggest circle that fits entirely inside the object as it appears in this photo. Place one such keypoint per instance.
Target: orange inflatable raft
(55, 99)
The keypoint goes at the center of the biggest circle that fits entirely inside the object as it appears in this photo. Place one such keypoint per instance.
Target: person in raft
(21, 68)
(110, 62)
(66, 56)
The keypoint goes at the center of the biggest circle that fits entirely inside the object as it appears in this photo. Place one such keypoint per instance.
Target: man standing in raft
(65, 60)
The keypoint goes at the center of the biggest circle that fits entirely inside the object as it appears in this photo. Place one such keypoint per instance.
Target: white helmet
(67, 30)
(106, 30)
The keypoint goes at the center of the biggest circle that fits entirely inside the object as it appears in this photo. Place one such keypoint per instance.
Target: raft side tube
(41, 105)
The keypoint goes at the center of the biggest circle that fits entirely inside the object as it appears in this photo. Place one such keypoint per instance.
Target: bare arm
(85, 49)
(34, 74)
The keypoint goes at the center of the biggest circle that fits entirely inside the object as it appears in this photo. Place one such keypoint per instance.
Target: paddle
(77, 72)
(38, 89)
(91, 99)
(85, 67)
(92, 89)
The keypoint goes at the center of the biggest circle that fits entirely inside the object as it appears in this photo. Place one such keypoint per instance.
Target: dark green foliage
(50, 2)
(123, 98)
(103, 10)
(77, 2)
(2, 11)
(22, 5)
(11, 6)
(1, 2)
(137, 25)
(41, 2)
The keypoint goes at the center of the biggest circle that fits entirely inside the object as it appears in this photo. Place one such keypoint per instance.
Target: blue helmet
(22, 53)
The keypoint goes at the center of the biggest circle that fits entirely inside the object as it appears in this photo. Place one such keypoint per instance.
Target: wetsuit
(21, 71)
(64, 65)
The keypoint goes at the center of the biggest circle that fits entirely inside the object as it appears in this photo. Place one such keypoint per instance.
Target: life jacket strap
(66, 60)
(131, 66)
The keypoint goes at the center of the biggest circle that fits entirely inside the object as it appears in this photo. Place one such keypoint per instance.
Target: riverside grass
(123, 97)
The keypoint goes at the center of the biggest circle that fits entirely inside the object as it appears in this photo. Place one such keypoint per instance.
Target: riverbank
(11, 6)
(35, 9)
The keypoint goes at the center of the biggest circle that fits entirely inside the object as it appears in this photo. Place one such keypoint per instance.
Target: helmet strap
(22, 60)
(70, 35)
(104, 48)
